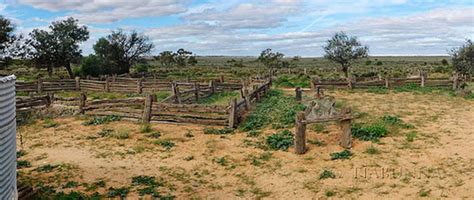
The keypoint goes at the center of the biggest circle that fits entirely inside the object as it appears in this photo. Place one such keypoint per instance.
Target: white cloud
(105, 11)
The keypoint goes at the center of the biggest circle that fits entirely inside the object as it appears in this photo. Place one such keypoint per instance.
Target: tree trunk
(345, 69)
(69, 70)
(50, 71)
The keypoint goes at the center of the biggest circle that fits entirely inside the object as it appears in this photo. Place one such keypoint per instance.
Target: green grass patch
(369, 132)
(167, 144)
(162, 95)
(49, 123)
(372, 150)
(327, 174)
(410, 136)
(20, 164)
(281, 140)
(275, 109)
(291, 81)
(219, 98)
(377, 90)
(346, 154)
(213, 131)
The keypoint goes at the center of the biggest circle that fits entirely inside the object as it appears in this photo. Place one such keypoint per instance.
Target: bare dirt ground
(439, 163)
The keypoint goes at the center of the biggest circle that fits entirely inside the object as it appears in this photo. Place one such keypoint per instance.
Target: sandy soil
(438, 164)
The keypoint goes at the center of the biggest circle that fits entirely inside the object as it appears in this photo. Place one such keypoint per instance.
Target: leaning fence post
(232, 114)
(298, 94)
(345, 124)
(212, 86)
(78, 83)
(82, 102)
(300, 136)
(40, 85)
(147, 108)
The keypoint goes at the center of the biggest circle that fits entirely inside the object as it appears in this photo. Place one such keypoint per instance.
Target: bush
(281, 140)
(346, 154)
(327, 174)
(372, 150)
(92, 65)
(142, 68)
(293, 81)
(379, 63)
(410, 136)
(165, 143)
(370, 132)
(20, 164)
(214, 131)
(121, 192)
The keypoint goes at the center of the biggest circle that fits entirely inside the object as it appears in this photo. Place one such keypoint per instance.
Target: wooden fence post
(345, 124)
(78, 83)
(175, 92)
(455, 81)
(212, 86)
(318, 92)
(298, 94)
(221, 78)
(139, 85)
(387, 82)
(50, 98)
(232, 114)
(196, 91)
(422, 77)
(147, 108)
(305, 72)
(82, 102)
(40, 85)
(107, 84)
(300, 135)
(350, 84)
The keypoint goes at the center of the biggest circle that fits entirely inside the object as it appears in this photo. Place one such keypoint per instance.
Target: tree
(59, 46)
(92, 65)
(192, 61)
(344, 50)
(182, 57)
(463, 59)
(11, 45)
(166, 58)
(120, 51)
(270, 59)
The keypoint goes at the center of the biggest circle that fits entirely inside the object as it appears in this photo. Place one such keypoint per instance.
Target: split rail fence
(387, 83)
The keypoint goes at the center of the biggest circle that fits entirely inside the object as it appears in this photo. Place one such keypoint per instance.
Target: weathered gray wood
(298, 94)
(232, 114)
(147, 108)
(82, 102)
(107, 84)
(300, 135)
(78, 83)
(40, 85)
(196, 91)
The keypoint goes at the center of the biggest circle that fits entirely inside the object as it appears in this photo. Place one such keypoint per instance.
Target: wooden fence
(387, 83)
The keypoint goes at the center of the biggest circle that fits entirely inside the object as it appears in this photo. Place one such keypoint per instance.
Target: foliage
(345, 154)
(102, 120)
(395, 121)
(142, 68)
(20, 164)
(372, 150)
(410, 136)
(58, 47)
(214, 131)
(270, 59)
(121, 134)
(463, 58)
(91, 65)
(370, 132)
(281, 140)
(254, 133)
(121, 192)
(327, 174)
(167, 144)
(344, 50)
(219, 98)
(20, 153)
(48, 123)
(146, 128)
(293, 81)
(119, 50)
(46, 168)
(181, 58)
(275, 108)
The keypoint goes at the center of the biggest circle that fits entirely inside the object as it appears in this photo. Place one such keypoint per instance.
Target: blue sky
(294, 27)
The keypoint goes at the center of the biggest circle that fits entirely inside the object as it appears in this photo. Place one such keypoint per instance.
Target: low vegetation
(281, 140)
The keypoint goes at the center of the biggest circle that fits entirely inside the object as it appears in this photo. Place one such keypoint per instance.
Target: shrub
(146, 128)
(346, 154)
(102, 120)
(142, 68)
(372, 150)
(327, 174)
(368, 62)
(214, 131)
(105, 132)
(165, 143)
(121, 192)
(48, 123)
(20, 164)
(46, 168)
(293, 81)
(379, 63)
(370, 132)
(92, 65)
(144, 180)
(410, 136)
(121, 134)
(20, 153)
(395, 121)
(281, 140)
(155, 134)
(254, 133)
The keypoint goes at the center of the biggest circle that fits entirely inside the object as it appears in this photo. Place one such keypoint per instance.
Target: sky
(246, 27)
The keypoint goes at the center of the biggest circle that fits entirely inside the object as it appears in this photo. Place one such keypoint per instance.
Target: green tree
(11, 45)
(92, 65)
(344, 50)
(120, 51)
(166, 58)
(270, 59)
(192, 61)
(182, 56)
(463, 58)
(59, 46)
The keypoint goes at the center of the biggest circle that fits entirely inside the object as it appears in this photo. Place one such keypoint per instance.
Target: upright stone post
(147, 109)
(300, 135)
